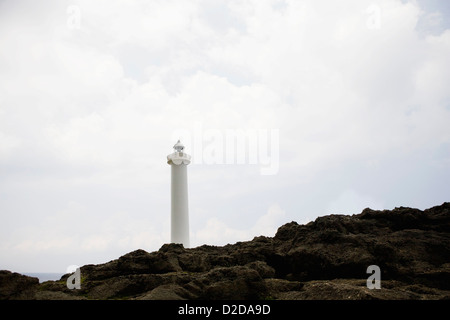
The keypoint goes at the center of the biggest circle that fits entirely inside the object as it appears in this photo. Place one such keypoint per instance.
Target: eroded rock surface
(324, 259)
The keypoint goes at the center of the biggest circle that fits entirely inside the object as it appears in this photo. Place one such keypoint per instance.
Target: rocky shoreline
(324, 259)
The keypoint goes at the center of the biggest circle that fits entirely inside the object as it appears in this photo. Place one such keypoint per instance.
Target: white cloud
(350, 202)
(269, 223)
(88, 114)
(7, 145)
(216, 232)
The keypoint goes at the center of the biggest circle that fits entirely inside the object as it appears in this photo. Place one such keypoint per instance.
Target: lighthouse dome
(179, 147)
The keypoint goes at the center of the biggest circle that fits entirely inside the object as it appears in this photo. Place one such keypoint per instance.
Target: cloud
(350, 202)
(216, 232)
(88, 113)
(8, 144)
(76, 235)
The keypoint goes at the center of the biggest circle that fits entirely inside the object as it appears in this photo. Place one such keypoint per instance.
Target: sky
(290, 110)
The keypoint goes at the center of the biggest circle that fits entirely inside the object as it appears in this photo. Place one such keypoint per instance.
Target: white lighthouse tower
(178, 161)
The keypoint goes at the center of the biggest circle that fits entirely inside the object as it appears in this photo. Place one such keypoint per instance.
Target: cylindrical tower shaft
(179, 205)
(179, 160)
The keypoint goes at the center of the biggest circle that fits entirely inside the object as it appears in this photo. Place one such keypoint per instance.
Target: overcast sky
(342, 105)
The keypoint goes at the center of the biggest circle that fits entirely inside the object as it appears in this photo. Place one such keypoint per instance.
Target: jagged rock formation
(324, 259)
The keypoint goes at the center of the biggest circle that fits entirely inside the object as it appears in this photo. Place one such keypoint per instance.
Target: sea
(44, 276)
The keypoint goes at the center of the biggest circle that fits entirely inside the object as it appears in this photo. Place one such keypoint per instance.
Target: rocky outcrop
(16, 286)
(324, 259)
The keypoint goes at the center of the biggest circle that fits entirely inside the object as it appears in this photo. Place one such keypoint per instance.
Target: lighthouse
(178, 161)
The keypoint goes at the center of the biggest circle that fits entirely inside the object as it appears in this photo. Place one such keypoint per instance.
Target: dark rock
(232, 283)
(167, 292)
(288, 231)
(324, 259)
(172, 247)
(140, 261)
(15, 285)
